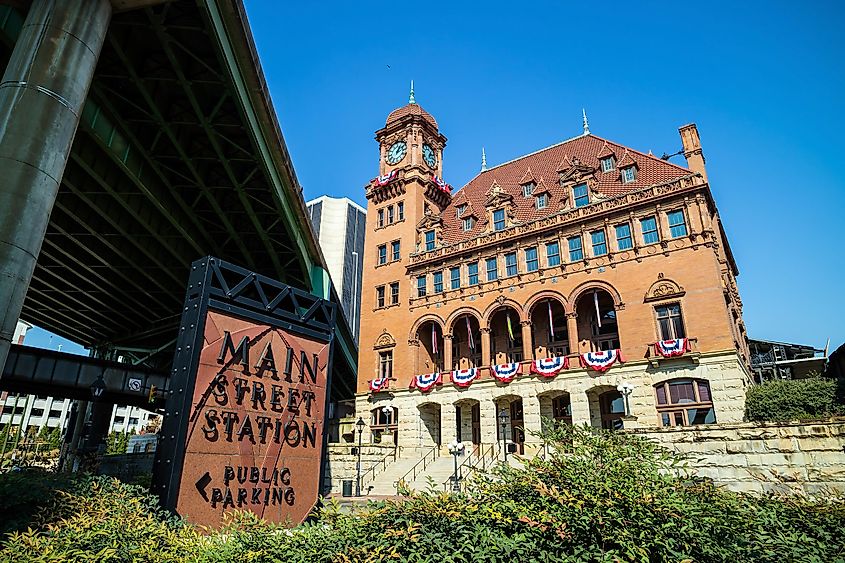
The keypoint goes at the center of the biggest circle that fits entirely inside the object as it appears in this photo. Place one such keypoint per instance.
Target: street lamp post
(503, 416)
(456, 448)
(626, 389)
(360, 426)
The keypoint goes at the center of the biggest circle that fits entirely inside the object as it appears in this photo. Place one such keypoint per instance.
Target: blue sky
(765, 82)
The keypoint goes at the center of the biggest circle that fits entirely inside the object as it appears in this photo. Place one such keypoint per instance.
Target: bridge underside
(178, 155)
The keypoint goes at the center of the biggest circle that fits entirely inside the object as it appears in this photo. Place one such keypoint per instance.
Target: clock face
(429, 156)
(396, 152)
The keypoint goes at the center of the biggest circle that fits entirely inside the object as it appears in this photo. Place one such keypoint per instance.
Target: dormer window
(468, 224)
(429, 240)
(461, 208)
(629, 174)
(581, 195)
(608, 163)
(542, 201)
(499, 220)
(528, 189)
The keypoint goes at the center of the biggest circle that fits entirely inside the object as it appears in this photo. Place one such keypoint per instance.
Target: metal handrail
(472, 462)
(424, 462)
(395, 454)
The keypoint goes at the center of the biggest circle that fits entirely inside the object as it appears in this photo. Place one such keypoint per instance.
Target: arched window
(562, 408)
(684, 402)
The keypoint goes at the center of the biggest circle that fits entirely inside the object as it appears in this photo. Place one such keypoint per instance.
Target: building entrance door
(476, 426)
(517, 426)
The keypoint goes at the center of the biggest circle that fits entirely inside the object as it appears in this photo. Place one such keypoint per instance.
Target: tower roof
(410, 109)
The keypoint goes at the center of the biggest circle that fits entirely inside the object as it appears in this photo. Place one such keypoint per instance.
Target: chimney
(692, 149)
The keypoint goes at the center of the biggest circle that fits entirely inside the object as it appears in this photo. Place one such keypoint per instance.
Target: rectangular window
(527, 189)
(390, 215)
(385, 364)
(532, 262)
(429, 240)
(394, 247)
(649, 228)
(438, 282)
(677, 224)
(401, 210)
(623, 237)
(468, 223)
(510, 264)
(499, 220)
(553, 254)
(382, 254)
(455, 277)
(608, 164)
(575, 251)
(460, 209)
(599, 243)
(381, 217)
(629, 174)
(670, 322)
(542, 201)
(421, 286)
(380, 296)
(492, 269)
(582, 198)
(472, 271)
(394, 293)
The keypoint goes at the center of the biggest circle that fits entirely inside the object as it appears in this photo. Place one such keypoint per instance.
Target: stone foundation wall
(787, 457)
(342, 463)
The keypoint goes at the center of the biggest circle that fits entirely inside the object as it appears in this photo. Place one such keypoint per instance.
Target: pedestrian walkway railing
(485, 457)
(428, 457)
(381, 465)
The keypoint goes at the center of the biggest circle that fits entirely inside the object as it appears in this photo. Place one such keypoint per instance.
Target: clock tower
(404, 204)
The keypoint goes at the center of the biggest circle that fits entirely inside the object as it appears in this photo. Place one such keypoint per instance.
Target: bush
(792, 399)
(600, 496)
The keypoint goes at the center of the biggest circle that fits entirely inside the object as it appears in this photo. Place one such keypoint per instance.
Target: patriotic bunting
(379, 181)
(426, 381)
(601, 361)
(671, 348)
(550, 367)
(377, 385)
(505, 372)
(464, 377)
(441, 184)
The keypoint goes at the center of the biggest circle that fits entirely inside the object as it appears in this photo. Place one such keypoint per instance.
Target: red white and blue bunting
(601, 361)
(379, 181)
(377, 385)
(671, 348)
(426, 381)
(505, 372)
(464, 377)
(441, 184)
(550, 367)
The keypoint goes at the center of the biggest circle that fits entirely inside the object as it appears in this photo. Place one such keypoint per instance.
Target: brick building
(544, 287)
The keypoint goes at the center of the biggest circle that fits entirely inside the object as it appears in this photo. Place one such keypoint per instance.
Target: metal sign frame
(215, 285)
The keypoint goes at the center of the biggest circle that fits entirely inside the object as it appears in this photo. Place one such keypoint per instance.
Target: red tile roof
(545, 166)
(410, 109)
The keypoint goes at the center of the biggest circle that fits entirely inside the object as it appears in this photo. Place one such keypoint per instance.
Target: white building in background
(339, 224)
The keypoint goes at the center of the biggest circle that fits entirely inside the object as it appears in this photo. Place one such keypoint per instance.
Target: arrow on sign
(202, 484)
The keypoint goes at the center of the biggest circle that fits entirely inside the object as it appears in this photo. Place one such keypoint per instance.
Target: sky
(764, 82)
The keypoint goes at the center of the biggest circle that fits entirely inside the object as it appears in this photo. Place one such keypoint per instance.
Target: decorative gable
(385, 340)
(430, 221)
(605, 151)
(626, 161)
(527, 178)
(541, 188)
(574, 171)
(497, 196)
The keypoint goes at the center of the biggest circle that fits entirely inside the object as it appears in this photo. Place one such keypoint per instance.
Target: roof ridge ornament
(483, 160)
(411, 99)
(586, 123)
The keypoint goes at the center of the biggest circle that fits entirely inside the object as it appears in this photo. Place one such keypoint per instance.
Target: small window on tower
(460, 209)
(542, 201)
(468, 223)
(390, 215)
(381, 217)
(499, 220)
(528, 189)
(394, 293)
(608, 164)
(400, 207)
(429, 240)
(581, 195)
(629, 174)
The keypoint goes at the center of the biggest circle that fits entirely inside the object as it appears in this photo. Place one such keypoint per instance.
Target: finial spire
(586, 124)
(483, 160)
(411, 99)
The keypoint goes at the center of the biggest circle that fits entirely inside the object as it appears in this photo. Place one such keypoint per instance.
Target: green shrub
(598, 497)
(795, 399)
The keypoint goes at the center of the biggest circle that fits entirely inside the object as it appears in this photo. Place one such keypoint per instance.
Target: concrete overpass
(135, 137)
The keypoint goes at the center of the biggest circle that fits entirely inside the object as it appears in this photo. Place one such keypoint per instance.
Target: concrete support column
(485, 346)
(527, 341)
(41, 97)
